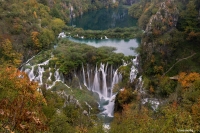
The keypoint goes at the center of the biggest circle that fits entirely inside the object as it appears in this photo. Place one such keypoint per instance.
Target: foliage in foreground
(179, 112)
(20, 103)
(25, 109)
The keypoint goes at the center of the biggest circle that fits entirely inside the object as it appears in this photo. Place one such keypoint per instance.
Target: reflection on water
(104, 19)
(122, 46)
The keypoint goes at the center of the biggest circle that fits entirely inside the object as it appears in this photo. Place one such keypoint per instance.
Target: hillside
(164, 96)
(170, 67)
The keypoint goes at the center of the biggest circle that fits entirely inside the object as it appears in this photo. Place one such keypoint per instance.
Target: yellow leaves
(35, 14)
(6, 47)
(34, 34)
(81, 129)
(34, 37)
(20, 96)
(8, 55)
(57, 25)
(33, 3)
(58, 22)
(186, 80)
(19, 80)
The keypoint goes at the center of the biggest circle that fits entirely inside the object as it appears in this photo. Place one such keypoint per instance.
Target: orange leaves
(174, 104)
(186, 80)
(124, 96)
(18, 96)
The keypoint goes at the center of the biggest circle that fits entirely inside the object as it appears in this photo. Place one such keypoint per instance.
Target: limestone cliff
(160, 23)
(165, 18)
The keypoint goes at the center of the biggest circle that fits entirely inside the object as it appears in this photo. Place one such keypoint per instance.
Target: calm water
(122, 46)
(104, 19)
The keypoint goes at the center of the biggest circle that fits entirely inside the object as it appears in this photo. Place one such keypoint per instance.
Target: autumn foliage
(187, 80)
(20, 102)
(7, 54)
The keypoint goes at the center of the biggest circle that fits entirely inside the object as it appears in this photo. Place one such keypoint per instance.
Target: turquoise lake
(104, 19)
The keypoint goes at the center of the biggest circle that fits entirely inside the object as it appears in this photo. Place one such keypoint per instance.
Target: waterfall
(57, 75)
(111, 73)
(100, 79)
(88, 74)
(134, 70)
(114, 81)
(109, 109)
(104, 86)
(37, 75)
(50, 74)
(30, 73)
(84, 82)
(96, 87)
(40, 74)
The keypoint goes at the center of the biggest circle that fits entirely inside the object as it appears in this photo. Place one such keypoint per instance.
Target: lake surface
(122, 46)
(104, 19)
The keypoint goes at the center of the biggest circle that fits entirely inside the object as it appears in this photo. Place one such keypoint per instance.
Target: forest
(169, 61)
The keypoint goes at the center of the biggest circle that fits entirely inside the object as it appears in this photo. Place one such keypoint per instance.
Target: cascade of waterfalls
(100, 79)
(36, 73)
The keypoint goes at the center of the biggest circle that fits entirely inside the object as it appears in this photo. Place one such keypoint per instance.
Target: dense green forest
(169, 64)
